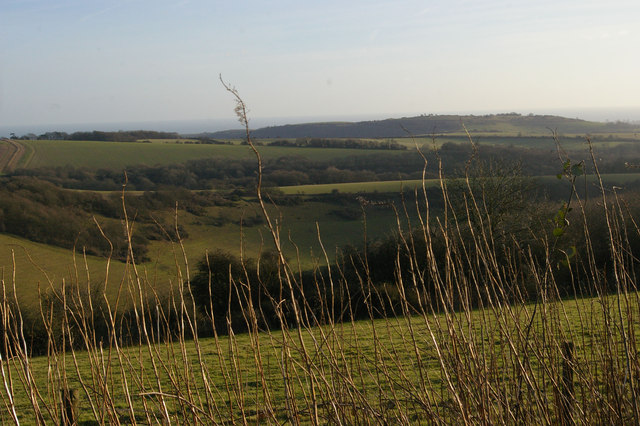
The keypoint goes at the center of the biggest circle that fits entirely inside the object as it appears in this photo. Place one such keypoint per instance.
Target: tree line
(389, 144)
(96, 135)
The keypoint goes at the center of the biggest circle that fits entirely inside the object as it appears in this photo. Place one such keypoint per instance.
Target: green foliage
(560, 221)
(495, 196)
(571, 171)
(225, 285)
(41, 212)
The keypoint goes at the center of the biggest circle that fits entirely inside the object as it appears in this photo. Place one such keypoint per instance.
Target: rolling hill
(510, 123)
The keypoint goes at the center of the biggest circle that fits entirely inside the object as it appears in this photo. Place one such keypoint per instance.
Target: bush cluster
(39, 211)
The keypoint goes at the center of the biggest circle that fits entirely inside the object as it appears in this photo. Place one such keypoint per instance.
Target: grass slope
(38, 265)
(391, 368)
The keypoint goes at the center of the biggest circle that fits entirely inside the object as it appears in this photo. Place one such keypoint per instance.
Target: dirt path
(10, 154)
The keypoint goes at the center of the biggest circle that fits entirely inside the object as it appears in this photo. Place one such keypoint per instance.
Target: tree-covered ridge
(511, 123)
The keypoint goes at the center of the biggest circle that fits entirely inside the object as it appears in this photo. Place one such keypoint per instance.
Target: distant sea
(213, 125)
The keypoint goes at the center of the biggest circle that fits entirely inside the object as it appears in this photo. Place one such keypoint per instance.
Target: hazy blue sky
(74, 61)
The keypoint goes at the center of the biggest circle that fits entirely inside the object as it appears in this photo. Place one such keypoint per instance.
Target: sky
(95, 61)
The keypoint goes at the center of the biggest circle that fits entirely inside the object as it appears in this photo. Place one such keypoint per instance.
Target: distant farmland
(117, 155)
(396, 186)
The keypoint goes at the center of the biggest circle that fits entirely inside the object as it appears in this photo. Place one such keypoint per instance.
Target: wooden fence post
(567, 398)
(69, 408)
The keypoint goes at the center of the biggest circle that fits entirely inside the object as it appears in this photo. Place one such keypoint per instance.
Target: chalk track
(10, 154)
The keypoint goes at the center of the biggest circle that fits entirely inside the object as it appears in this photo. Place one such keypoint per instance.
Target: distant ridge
(510, 123)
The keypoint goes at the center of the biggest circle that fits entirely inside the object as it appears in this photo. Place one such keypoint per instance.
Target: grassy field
(297, 227)
(118, 155)
(393, 186)
(397, 186)
(40, 265)
(39, 268)
(411, 370)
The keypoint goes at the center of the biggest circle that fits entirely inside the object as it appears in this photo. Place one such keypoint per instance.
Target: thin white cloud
(114, 6)
(92, 15)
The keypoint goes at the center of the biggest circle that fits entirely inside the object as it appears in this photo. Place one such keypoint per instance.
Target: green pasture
(118, 155)
(39, 266)
(298, 228)
(396, 186)
(391, 186)
(385, 360)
